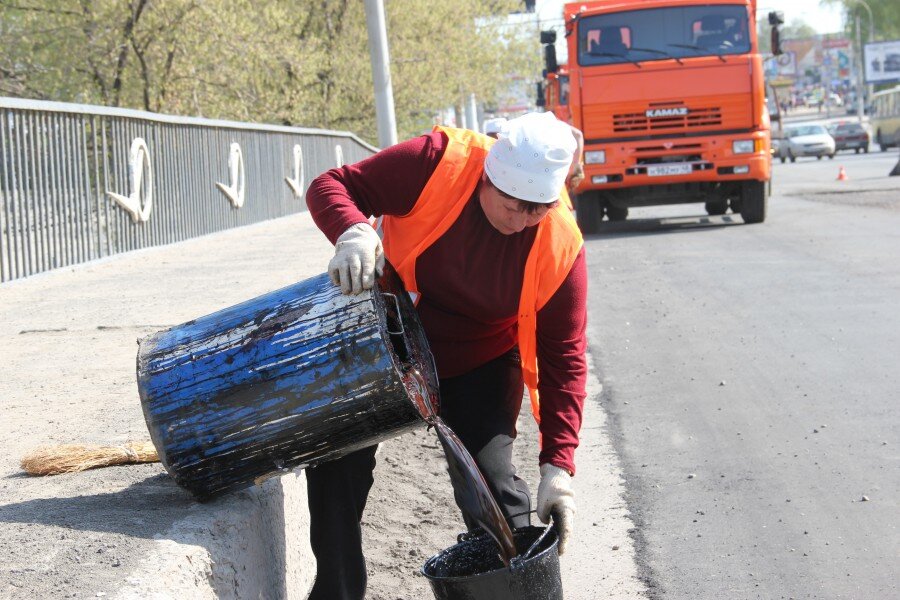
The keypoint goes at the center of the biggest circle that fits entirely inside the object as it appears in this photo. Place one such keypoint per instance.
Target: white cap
(493, 125)
(531, 158)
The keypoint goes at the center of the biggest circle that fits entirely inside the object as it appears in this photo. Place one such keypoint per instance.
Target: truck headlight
(742, 147)
(595, 157)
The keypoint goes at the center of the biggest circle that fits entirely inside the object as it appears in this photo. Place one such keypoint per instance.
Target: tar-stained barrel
(287, 380)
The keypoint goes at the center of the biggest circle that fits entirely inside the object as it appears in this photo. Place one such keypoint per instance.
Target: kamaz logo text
(667, 112)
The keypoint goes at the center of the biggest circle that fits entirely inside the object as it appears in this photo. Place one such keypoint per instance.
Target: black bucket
(293, 378)
(472, 570)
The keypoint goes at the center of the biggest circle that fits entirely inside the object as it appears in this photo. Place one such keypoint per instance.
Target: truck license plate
(676, 169)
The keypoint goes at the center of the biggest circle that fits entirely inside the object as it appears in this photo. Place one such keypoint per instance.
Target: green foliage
(295, 62)
(885, 18)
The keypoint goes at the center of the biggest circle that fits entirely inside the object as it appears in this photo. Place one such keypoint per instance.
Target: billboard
(882, 62)
(836, 57)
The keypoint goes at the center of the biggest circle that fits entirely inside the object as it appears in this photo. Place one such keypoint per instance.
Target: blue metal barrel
(295, 377)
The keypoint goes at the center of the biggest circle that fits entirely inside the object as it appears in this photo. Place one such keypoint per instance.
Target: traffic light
(529, 6)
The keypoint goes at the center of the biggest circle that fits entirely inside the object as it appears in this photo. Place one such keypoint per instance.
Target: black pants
(481, 406)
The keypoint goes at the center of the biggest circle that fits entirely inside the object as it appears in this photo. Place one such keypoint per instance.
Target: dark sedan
(850, 136)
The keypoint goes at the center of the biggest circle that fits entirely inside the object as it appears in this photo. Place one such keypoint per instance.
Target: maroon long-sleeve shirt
(470, 280)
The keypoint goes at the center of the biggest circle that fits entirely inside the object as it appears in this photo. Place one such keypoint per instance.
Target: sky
(823, 19)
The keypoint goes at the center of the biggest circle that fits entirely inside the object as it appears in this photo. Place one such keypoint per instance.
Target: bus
(885, 117)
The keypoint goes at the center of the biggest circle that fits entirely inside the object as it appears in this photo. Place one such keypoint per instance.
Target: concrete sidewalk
(67, 350)
(68, 361)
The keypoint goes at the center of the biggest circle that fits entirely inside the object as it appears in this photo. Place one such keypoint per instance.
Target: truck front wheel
(754, 201)
(588, 212)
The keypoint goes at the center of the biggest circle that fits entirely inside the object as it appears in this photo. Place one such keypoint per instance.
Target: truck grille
(669, 147)
(638, 122)
(669, 158)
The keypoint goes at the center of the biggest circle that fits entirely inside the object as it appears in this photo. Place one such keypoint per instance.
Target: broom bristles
(71, 458)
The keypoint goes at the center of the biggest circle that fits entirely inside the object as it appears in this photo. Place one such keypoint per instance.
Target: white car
(805, 140)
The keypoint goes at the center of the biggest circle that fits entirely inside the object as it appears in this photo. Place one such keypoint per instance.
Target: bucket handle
(518, 582)
(399, 315)
(537, 542)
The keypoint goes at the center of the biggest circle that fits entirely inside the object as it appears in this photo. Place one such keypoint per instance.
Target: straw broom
(71, 458)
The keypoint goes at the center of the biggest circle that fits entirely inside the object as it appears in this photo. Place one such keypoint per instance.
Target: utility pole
(865, 5)
(860, 102)
(472, 114)
(826, 79)
(381, 73)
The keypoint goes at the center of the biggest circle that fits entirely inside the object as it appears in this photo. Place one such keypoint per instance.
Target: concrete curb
(253, 544)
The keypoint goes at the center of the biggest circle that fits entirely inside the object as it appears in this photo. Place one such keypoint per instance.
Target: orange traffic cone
(842, 175)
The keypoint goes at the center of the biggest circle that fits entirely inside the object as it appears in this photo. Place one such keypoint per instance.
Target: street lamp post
(871, 20)
(860, 104)
(381, 73)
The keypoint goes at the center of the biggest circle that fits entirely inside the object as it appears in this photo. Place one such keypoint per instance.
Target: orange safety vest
(450, 187)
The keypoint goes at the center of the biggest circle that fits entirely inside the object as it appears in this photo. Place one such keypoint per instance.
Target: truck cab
(670, 97)
(556, 94)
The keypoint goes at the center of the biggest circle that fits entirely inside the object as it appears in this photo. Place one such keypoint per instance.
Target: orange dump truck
(553, 94)
(670, 97)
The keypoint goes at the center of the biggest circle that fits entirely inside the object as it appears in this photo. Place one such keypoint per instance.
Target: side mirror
(550, 58)
(776, 18)
(540, 101)
(776, 41)
(548, 36)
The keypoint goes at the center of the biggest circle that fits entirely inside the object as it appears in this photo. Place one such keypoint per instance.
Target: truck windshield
(662, 34)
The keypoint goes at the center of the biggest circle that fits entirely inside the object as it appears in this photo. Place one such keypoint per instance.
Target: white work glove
(555, 496)
(358, 259)
(576, 176)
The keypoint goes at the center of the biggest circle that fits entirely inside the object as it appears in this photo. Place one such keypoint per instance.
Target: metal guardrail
(82, 182)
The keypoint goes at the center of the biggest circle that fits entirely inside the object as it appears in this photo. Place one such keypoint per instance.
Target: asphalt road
(752, 386)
